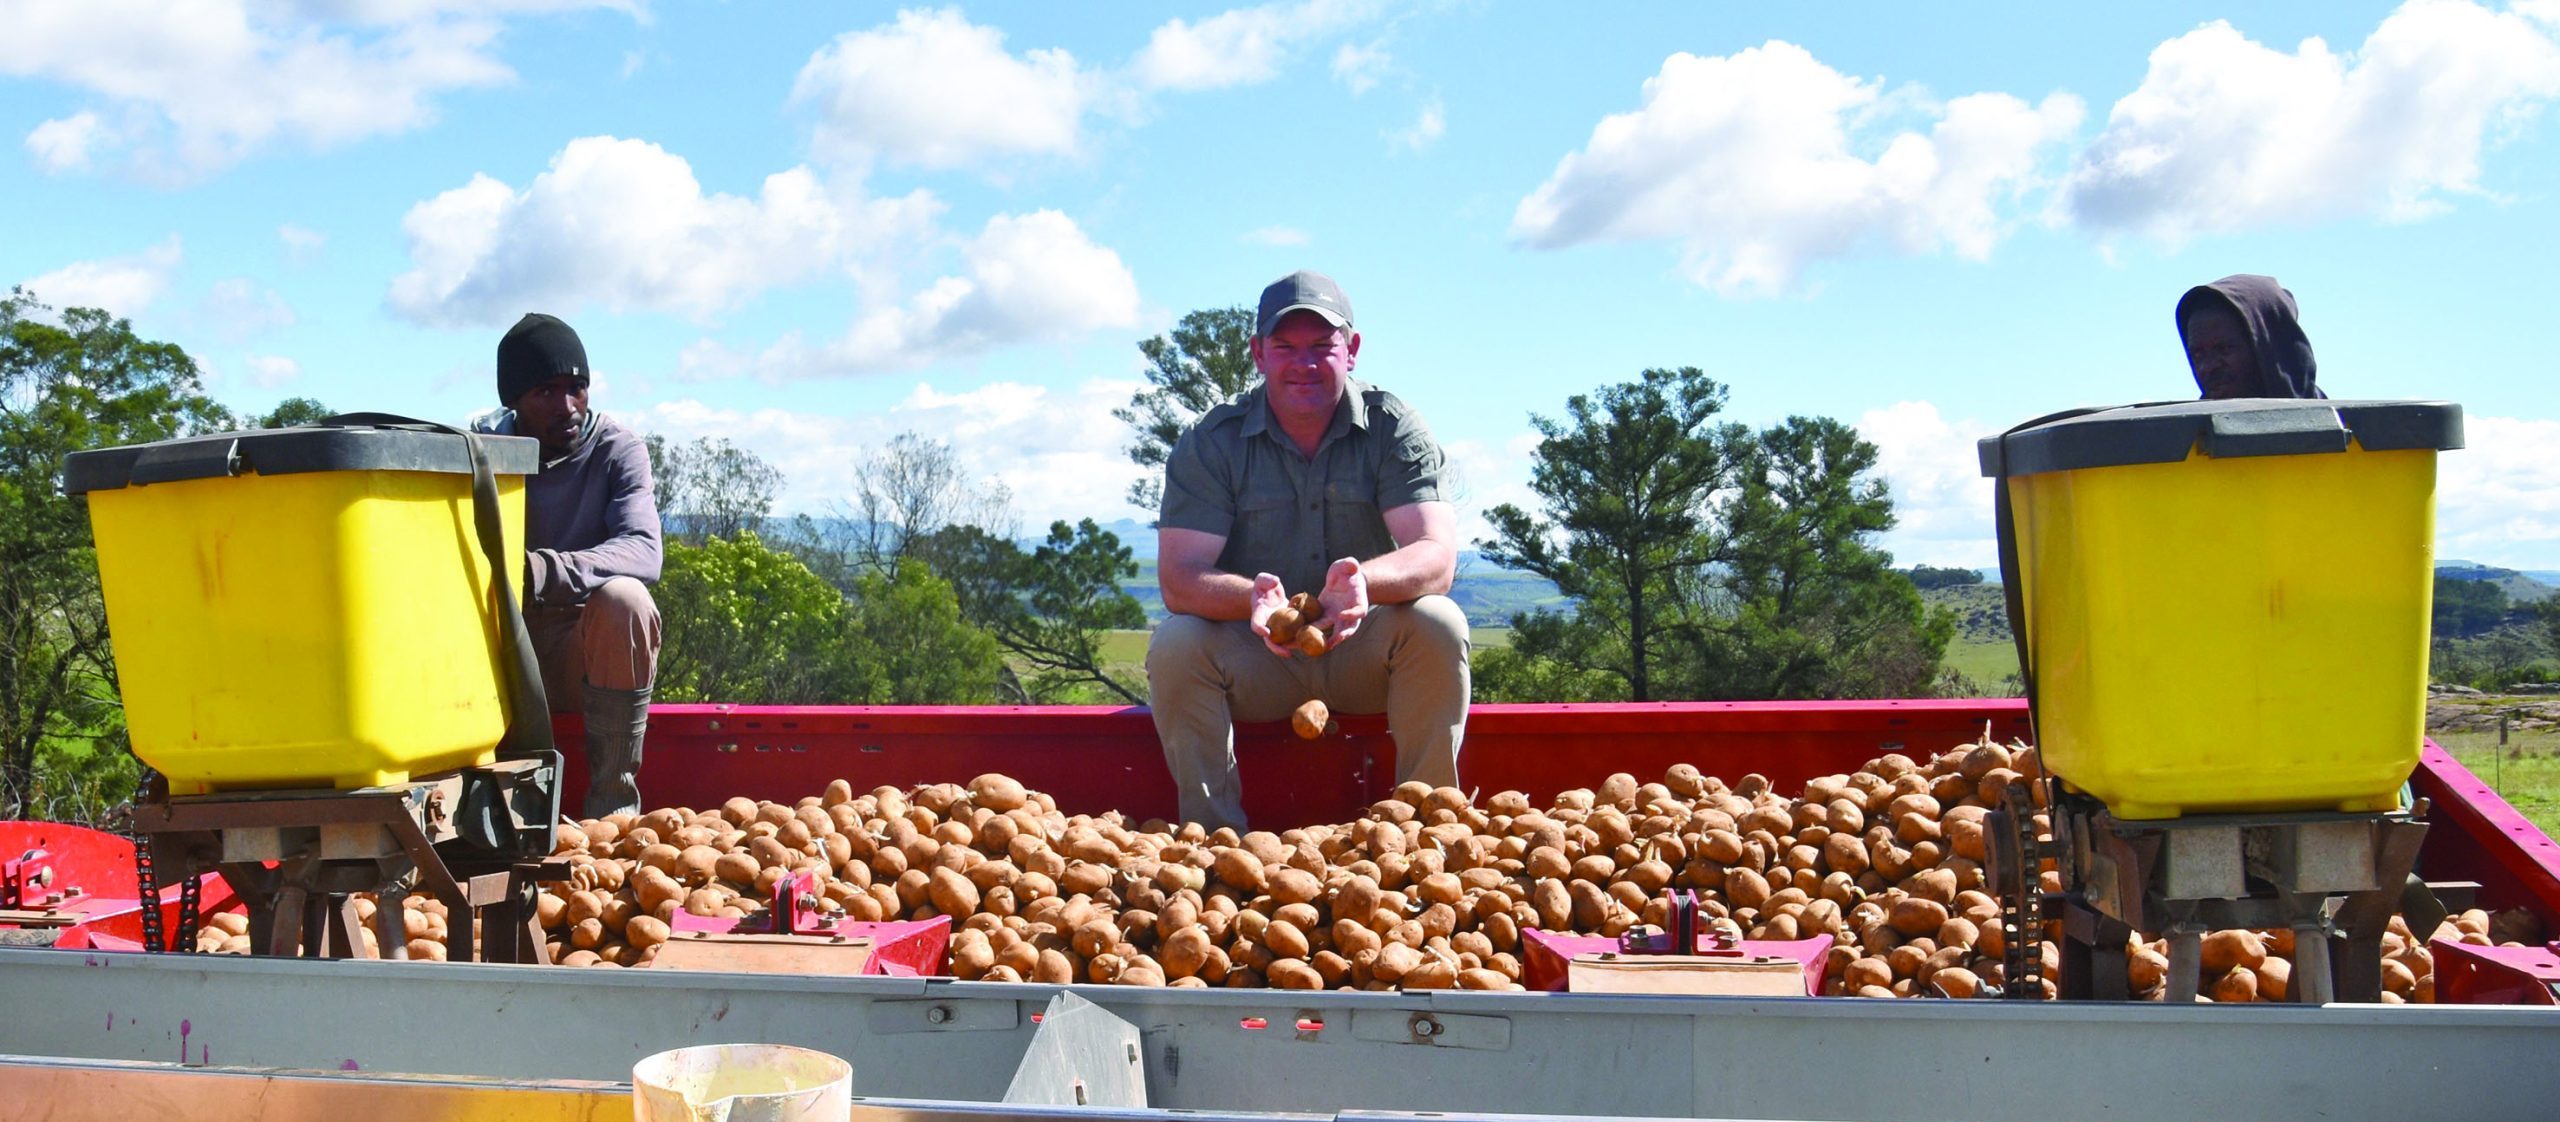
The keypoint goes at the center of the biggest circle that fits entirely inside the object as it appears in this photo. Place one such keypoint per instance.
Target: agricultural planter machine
(2198, 896)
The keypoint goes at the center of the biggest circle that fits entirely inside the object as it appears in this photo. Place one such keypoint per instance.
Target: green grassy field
(1989, 662)
(2526, 772)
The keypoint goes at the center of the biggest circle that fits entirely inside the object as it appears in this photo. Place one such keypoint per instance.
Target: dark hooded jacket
(2285, 367)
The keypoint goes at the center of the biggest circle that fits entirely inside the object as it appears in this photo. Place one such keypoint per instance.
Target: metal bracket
(1082, 1055)
(1438, 1030)
(27, 879)
(892, 1018)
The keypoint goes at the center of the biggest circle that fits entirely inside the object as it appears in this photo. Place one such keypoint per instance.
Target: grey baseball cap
(1313, 291)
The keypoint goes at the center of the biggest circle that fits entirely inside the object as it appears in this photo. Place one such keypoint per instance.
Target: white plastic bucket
(742, 1083)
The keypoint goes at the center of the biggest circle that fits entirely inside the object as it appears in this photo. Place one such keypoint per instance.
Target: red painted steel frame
(1093, 759)
(100, 865)
(2478, 837)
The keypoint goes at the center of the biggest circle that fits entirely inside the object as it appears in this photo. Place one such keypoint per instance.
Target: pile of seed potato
(1429, 889)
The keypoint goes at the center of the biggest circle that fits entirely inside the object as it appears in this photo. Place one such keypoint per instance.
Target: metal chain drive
(2017, 856)
(190, 898)
(146, 877)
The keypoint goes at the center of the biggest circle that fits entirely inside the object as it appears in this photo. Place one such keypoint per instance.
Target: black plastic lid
(2167, 433)
(289, 452)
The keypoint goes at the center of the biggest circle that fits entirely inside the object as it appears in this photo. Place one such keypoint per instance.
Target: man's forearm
(1209, 594)
(570, 575)
(1422, 569)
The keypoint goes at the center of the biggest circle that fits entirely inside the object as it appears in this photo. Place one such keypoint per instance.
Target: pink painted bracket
(899, 949)
(1546, 955)
(2472, 975)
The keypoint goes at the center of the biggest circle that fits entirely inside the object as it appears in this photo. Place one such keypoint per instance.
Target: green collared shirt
(1237, 475)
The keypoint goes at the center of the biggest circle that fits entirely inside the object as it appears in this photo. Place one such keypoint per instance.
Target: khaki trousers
(1408, 661)
(610, 642)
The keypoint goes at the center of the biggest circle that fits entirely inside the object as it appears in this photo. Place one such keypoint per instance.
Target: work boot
(617, 720)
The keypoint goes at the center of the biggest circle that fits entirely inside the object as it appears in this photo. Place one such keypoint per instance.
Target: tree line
(2482, 637)
(1702, 558)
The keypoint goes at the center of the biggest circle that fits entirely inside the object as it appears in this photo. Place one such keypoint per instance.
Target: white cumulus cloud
(1425, 130)
(1483, 475)
(121, 285)
(2498, 499)
(239, 308)
(1941, 502)
(2226, 133)
(1276, 236)
(1750, 162)
(1358, 66)
(934, 90)
(267, 372)
(182, 90)
(1057, 450)
(1028, 278)
(623, 224)
(301, 243)
(63, 144)
(1244, 46)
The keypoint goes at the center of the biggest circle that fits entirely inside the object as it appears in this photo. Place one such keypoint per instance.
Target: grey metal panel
(1564, 1054)
(1081, 1056)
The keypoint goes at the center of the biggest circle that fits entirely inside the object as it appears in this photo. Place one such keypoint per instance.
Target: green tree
(914, 486)
(1803, 604)
(1625, 482)
(905, 643)
(1051, 607)
(1926, 577)
(711, 488)
(1708, 561)
(747, 623)
(1509, 674)
(290, 412)
(82, 381)
(2464, 608)
(1206, 362)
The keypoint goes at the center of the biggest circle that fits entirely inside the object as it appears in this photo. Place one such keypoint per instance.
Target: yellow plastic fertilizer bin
(2226, 602)
(306, 607)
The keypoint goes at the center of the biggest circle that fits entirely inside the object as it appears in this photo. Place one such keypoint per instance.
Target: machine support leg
(2357, 968)
(2314, 979)
(2186, 965)
(391, 923)
(343, 925)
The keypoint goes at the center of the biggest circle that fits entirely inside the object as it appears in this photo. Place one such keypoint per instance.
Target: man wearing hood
(2244, 339)
(591, 552)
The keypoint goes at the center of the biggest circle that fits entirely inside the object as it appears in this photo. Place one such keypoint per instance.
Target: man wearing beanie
(591, 552)
(1312, 482)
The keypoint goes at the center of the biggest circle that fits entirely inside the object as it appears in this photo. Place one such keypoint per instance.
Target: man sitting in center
(1309, 466)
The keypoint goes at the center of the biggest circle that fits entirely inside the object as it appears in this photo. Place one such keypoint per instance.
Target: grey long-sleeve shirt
(590, 515)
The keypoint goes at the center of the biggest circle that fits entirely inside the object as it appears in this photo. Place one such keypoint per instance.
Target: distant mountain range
(1491, 594)
(2520, 584)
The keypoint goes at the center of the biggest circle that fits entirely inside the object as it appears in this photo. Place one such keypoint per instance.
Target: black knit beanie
(536, 350)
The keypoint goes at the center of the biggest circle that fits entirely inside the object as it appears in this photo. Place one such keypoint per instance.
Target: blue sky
(811, 227)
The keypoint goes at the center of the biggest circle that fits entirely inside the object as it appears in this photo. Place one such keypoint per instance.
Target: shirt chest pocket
(1353, 523)
(1266, 509)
